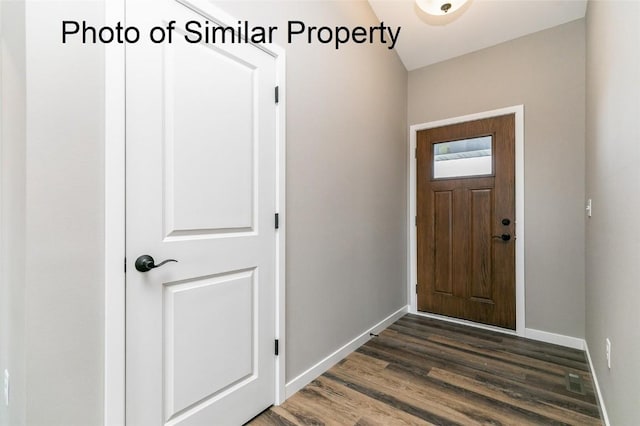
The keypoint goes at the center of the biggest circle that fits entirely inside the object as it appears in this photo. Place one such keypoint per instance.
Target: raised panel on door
(210, 140)
(443, 242)
(202, 359)
(481, 253)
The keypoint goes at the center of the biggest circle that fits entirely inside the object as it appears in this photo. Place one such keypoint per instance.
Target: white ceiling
(426, 39)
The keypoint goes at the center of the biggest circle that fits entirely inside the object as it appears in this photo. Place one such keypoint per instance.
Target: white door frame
(114, 211)
(412, 267)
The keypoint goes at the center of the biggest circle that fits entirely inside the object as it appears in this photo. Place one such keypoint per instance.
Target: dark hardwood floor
(423, 371)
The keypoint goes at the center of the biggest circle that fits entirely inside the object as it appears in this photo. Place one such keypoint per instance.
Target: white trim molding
(281, 190)
(518, 110)
(323, 365)
(115, 250)
(556, 339)
(603, 409)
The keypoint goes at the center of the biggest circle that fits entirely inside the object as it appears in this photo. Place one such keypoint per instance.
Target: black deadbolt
(506, 222)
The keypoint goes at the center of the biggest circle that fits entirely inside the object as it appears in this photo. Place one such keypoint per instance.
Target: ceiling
(426, 39)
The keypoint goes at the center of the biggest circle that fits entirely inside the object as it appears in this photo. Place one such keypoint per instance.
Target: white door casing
(201, 158)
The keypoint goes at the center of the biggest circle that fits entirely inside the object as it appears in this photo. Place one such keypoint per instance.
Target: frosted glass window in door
(466, 157)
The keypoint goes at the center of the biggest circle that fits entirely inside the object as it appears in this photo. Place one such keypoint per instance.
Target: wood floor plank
(391, 400)
(511, 360)
(299, 414)
(423, 371)
(404, 392)
(543, 395)
(510, 357)
(425, 348)
(366, 421)
(503, 341)
(369, 360)
(371, 409)
(455, 405)
(414, 366)
(311, 406)
(503, 395)
(272, 418)
(510, 344)
(286, 416)
(431, 350)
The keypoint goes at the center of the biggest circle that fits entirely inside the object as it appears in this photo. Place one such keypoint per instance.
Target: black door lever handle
(146, 263)
(503, 237)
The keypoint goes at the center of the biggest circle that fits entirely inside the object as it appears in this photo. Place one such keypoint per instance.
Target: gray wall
(545, 72)
(613, 182)
(52, 220)
(12, 205)
(346, 172)
(64, 261)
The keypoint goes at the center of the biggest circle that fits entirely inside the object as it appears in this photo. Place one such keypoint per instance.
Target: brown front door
(466, 213)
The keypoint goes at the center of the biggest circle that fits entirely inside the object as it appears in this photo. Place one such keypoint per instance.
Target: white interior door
(200, 164)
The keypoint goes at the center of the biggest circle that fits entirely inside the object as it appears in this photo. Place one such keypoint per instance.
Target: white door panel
(194, 366)
(217, 135)
(200, 189)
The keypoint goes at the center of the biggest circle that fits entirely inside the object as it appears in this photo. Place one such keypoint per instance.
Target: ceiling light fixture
(440, 7)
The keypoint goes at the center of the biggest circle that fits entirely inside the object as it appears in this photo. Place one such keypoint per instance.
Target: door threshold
(467, 322)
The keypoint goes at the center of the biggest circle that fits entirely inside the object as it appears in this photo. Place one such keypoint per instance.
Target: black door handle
(146, 263)
(503, 237)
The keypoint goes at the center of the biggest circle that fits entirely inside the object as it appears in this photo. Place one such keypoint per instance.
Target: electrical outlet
(608, 349)
(6, 387)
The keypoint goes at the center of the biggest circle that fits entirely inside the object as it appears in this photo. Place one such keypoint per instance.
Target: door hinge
(415, 153)
(277, 221)
(125, 265)
(277, 94)
(416, 288)
(276, 347)
(416, 220)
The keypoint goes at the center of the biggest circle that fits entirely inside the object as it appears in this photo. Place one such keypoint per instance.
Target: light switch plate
(6, 387)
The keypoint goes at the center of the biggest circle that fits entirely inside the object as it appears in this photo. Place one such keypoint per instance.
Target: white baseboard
(556, 339)
(318, 369)
(603, 410)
